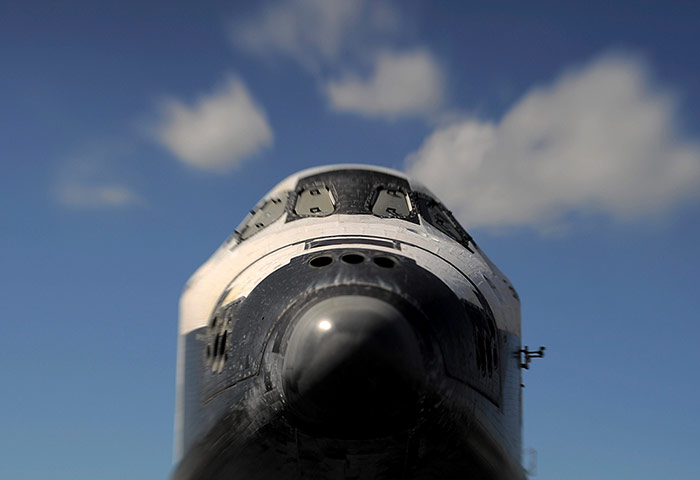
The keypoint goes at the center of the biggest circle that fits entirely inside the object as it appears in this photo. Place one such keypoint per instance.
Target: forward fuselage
(350, 328)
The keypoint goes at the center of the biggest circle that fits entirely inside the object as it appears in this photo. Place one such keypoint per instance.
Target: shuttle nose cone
(353, 366)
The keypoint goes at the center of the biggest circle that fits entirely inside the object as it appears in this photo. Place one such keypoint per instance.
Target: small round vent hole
(384, 262)
(321, 261)
(353, 258)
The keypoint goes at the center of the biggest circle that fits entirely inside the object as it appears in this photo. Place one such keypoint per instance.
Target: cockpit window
(390, 203)
(441, 218)
(262, 216)
(353, 192)
(314, 202)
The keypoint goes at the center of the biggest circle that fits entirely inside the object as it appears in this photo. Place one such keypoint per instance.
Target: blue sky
(136, 137)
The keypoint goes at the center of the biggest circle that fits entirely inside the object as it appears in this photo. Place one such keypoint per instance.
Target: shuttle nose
(353, 365)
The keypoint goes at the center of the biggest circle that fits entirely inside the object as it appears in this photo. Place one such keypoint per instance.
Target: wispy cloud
(84, 196)
(332, 39)
(402, 84)
(217, 132)
(91, 180)
(314, 33)
(599, 139)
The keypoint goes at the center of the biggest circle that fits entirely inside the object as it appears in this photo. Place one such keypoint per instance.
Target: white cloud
(219, 131)
(85, 196)
(314, 32)
(600, 139)
(402, 84)
(331, 36)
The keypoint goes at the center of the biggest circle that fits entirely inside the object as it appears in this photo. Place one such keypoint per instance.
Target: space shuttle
(349, 328)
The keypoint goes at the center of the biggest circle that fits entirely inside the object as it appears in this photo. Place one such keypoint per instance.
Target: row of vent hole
(353, 259)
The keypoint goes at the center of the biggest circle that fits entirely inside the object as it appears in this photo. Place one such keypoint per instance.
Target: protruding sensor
(353, 365)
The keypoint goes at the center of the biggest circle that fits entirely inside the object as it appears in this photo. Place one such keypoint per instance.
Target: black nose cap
(353, 367)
